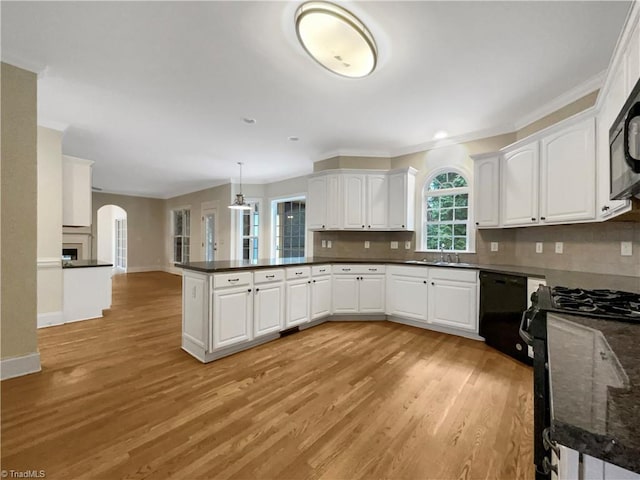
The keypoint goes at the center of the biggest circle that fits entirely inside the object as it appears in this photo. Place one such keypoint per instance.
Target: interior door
(209, 244)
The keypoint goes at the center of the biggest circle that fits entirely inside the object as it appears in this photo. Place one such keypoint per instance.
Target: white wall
(49, 236)
(107, 215)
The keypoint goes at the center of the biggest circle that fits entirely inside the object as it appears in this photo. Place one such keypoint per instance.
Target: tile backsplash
(588, 247)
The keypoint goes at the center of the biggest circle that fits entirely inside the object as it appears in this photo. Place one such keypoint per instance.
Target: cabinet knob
(249, 290)
(477, 223)
(362, 226)
(543, 218)
(402, 226)
(257, 290)
(369, 226)
(605, 208)
(433, 283)
(533, 219)
(314, 281)
(424, 281)
(322, 226)
(309, 281)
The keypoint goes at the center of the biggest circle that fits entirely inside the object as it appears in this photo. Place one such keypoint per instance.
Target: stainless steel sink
(439, 264)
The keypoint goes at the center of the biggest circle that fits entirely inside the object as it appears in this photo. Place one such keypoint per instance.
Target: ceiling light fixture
(293, 139)
(336, 39)
(440, 135)
(249, 121)
(239, 203)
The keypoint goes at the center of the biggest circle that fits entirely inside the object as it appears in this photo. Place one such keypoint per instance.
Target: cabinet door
(371, 294)
(568, 464)
(345, 294)
(354, 201)
(195, 310)
(407, 297)
(377, 201)
(568, 174)
(317, 203)
(298, 300)
(268, 310)
(232, 316)
(519, 186)
(401, 200)
(453, 304)
(320, 297)
(334, 202)
(632, 60)
(487, 191)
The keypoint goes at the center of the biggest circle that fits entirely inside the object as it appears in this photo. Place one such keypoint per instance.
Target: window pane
(187, 222)
(446, 201)
(177, 249)
(445, 230)
(460, 229)
(462, 200)
(177, 222)
(446, 214)
(446, 242)
(432, 243)
(461, 213)
(460, 243)
(459, 181)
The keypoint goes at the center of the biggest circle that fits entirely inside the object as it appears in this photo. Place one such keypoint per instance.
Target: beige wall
(567, 111)
(49, 221)
(18, 202)
(145, 229)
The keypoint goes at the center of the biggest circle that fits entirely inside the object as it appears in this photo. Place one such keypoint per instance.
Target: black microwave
(624, 144)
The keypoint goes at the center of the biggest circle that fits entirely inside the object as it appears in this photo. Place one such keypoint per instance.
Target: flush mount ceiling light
(336, 39)
(239, 203)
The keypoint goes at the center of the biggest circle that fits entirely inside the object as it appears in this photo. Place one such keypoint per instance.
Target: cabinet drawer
(318, 270)
(298, 272)
(456, 274)
(358, 269)
(264, 276)
(234, 279)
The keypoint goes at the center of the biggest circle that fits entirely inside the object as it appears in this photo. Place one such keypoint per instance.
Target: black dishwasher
(503, 300)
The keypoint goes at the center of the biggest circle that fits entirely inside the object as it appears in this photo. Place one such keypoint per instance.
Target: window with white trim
(250, 232)
(289, 227)
(181, 235)
(446, 223)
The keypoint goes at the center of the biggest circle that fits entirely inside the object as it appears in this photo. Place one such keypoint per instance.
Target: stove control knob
(518, 347)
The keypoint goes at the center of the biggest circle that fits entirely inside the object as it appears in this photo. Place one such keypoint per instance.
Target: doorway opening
(209, 243)
(112, 237)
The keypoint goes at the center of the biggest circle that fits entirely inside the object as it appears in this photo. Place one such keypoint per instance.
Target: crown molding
(352, 152)
(588, 86)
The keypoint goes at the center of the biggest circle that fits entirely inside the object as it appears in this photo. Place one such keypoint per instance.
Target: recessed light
(440, 135)
(249, 121)
(336, 39)
(293, 139)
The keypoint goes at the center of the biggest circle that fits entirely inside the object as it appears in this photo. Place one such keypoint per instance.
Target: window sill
(446, 251)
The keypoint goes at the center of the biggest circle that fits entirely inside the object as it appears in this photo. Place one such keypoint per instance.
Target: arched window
(446, 212)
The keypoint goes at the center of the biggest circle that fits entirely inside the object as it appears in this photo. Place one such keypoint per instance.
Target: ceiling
(156, 93)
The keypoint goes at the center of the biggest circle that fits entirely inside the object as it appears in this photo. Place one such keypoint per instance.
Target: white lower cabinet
(298, 296)
(590, 468)
(453, 295)
(232, 315)
(195, 309)
(407, 292)
(358, 289)
(268, 302)
(320, 297)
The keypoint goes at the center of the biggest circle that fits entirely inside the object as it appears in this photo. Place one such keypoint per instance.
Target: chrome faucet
(442, 252)
(448, 258)
(457, 258)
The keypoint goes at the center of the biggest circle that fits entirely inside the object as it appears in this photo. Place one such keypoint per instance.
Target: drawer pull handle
(323, 270)
(346, 269)
(233, 280)
(299, 273)
(270, 276)
(373, 269)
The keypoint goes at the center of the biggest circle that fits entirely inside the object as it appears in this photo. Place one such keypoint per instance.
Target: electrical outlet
(407, 245)
(538, 247)
(324, 244)
(626, 249)
(494, 246)
(394, 245)
(367, 244)
(328, 243)
(559, 247)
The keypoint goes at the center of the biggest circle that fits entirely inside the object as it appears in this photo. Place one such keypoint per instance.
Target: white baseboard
(18, 366)
(50, 319)
(152, 268)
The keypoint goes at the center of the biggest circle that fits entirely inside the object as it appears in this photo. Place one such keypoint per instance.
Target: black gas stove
(607, 304)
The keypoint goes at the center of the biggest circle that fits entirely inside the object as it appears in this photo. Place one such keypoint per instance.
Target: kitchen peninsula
(87, 289)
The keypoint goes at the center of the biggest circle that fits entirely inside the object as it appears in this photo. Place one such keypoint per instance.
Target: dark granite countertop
(594, 367)
(85, 264)
(553, 277)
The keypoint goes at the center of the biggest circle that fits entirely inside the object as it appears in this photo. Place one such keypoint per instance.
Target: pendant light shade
(239, 203)
(336, 39)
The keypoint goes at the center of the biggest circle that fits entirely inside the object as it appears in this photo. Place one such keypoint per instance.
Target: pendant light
(239, 203)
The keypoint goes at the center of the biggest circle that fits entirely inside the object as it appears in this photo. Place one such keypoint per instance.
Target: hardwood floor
(117, 398)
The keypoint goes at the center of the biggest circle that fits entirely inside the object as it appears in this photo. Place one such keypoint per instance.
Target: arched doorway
(112, 237)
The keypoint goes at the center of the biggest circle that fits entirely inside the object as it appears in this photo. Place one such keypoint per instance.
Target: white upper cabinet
(402, 186)
(568, 174)
(354, 201)
(76, 192)
(377, 203)
(362, 200)
(316, 207)
(486, 187)
(519, 186)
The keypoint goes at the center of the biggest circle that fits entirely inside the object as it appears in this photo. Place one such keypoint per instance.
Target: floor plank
(117, 398)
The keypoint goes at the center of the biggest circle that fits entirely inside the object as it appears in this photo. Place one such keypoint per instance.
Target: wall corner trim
(19, 366)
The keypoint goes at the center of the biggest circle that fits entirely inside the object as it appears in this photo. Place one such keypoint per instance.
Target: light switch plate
(328, 243)
(324, 244)
(559, 247)
(367, 244)
(494, 246)
(407, 245)
(538, 247)
(626, 249)
(394, 245)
